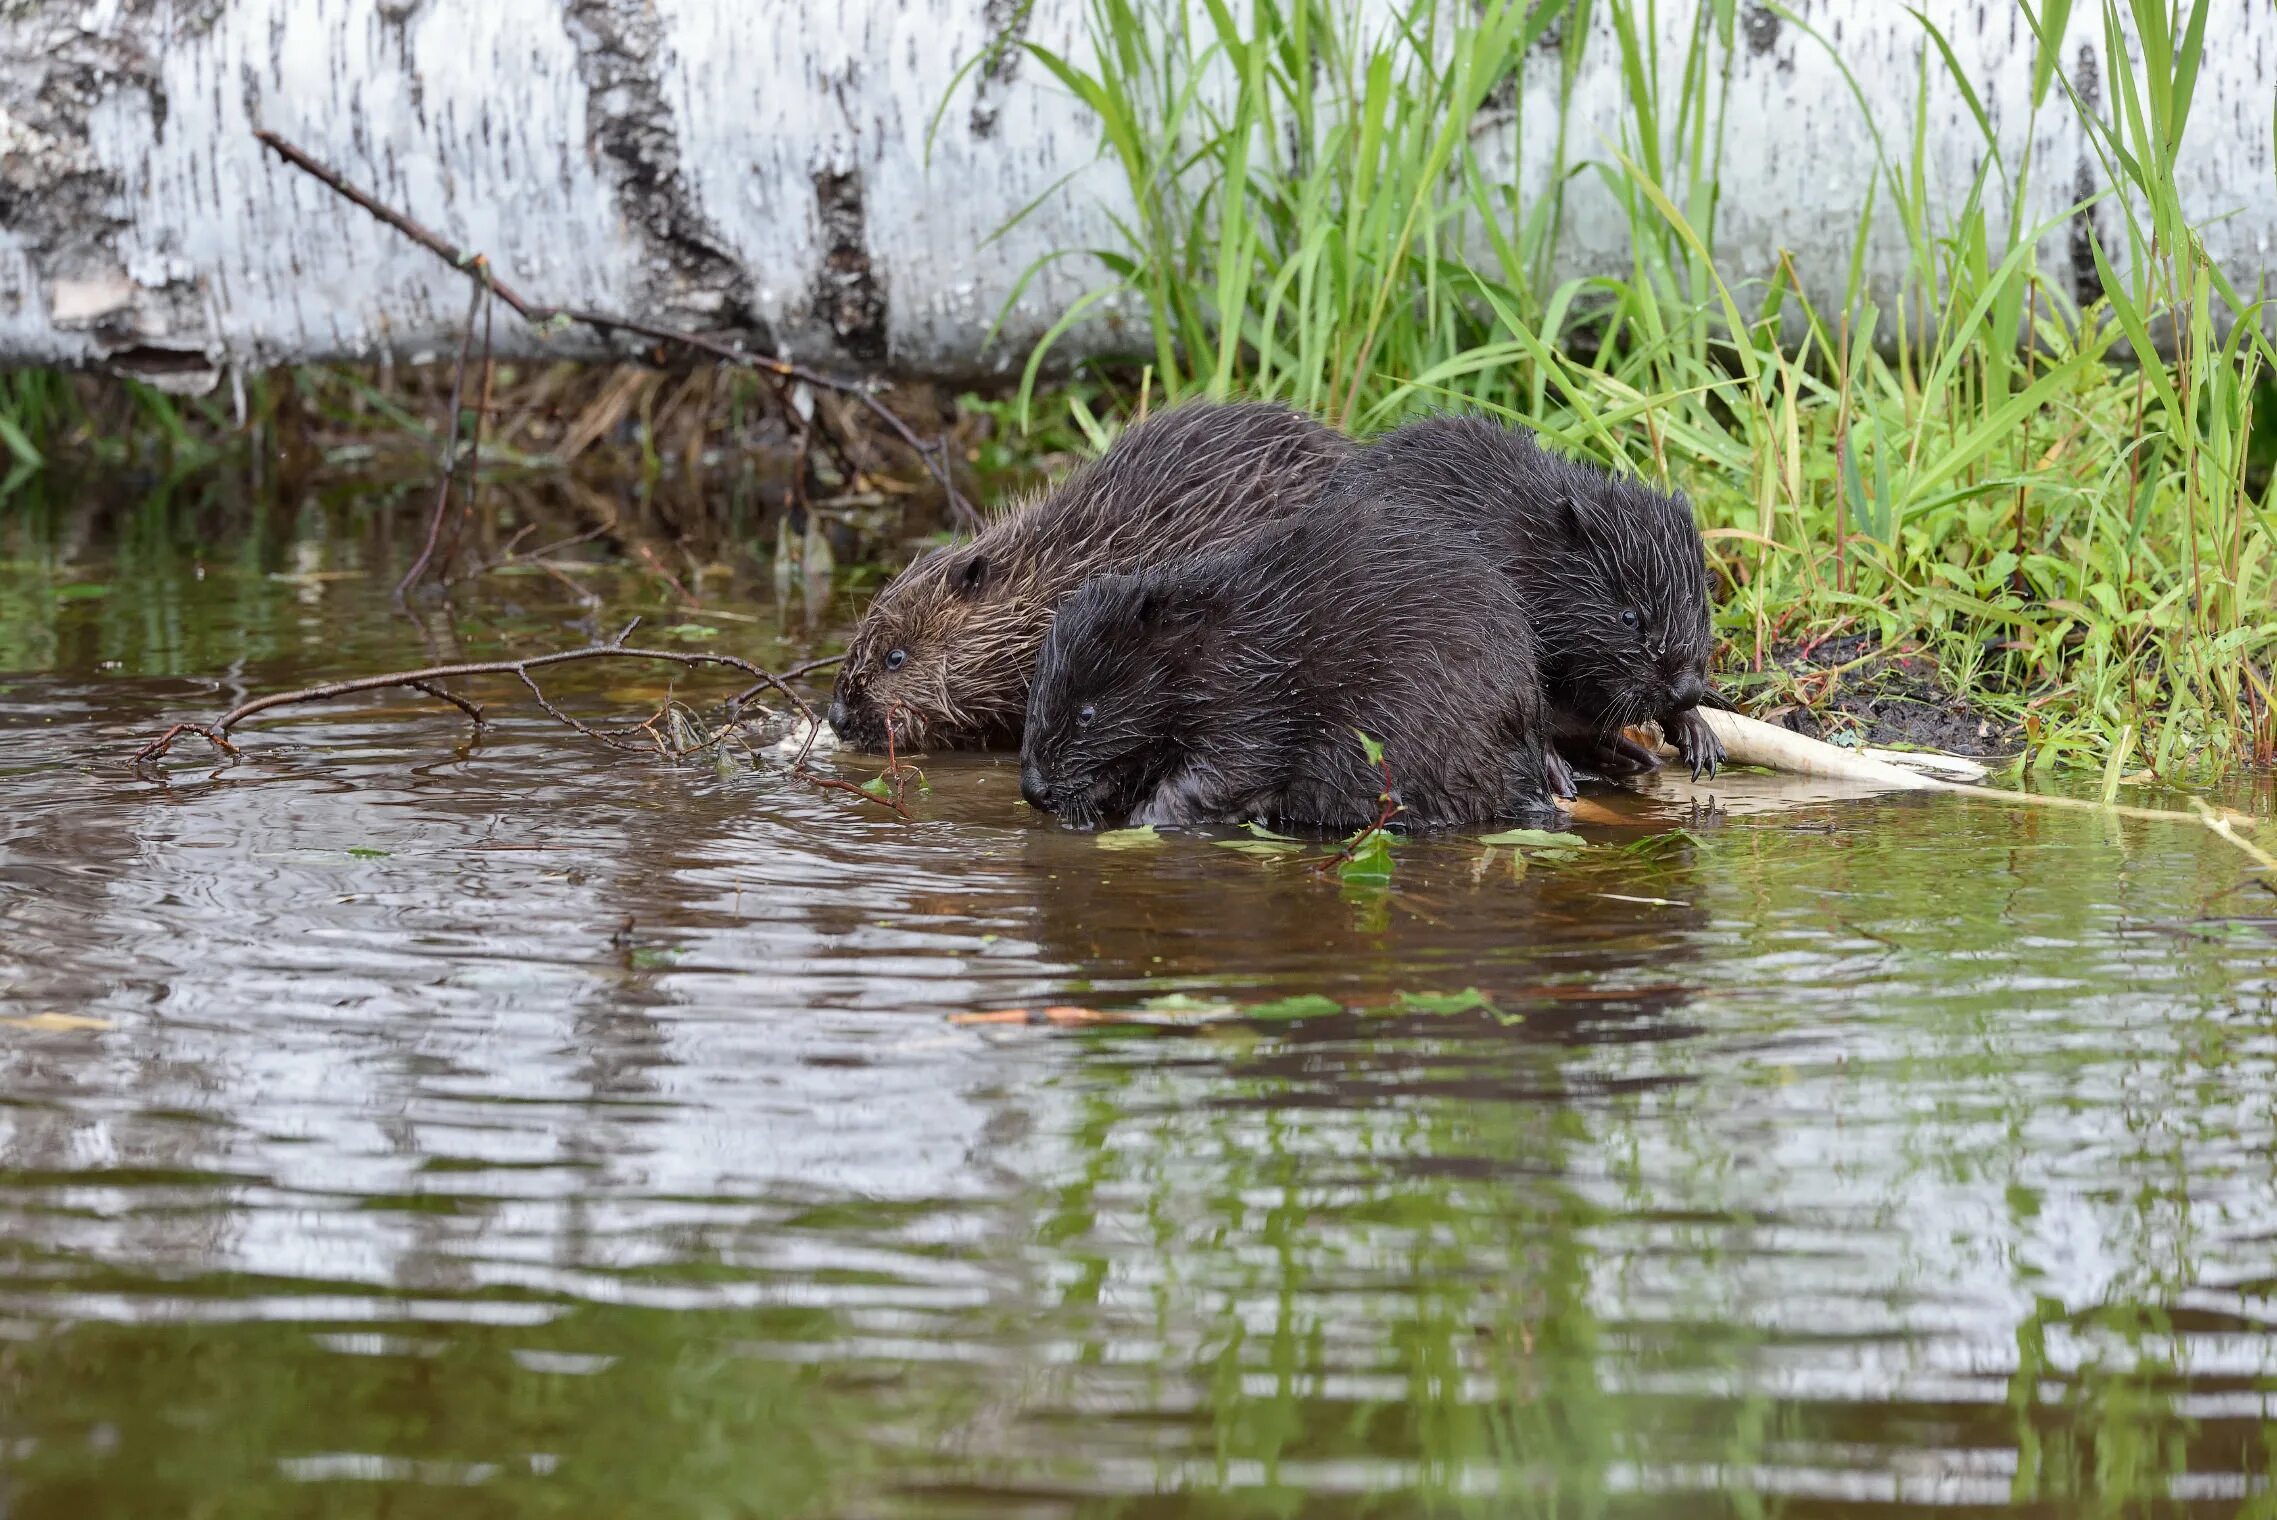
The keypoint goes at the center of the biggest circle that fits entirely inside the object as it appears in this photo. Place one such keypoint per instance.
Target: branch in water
(430, 680)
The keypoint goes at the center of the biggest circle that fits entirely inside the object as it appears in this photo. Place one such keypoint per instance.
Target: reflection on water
(405, 1121)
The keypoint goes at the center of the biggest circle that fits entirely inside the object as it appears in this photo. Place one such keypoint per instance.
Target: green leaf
(19, 445)
(1541, 839)
(878, 787)
(693, 632)
(1263, 832)
(1371, 859)
(1261, 847)
(84, 591)
(1130, 839)
(1469, 1000)
(1309, 1005)
(366, 852)
(1375, 751)
(1186, 1003)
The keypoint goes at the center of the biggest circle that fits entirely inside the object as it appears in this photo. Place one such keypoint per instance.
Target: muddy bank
(1851, 690)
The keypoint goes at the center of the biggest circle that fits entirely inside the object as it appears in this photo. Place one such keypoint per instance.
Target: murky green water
(1847, 1156)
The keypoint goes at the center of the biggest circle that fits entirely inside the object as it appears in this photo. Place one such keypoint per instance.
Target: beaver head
(1105, 710)
(1619, 601)
(940, 642)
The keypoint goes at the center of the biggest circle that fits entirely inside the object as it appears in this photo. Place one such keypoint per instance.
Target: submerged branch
(663, 736)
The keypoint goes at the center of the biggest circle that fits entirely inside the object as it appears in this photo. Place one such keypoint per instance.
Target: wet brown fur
(970, 617)
(1611, 570)
(1233, 686)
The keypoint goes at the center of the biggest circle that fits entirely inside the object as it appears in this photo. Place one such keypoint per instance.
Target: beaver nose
(1687, 691)
(837, 717)
(1033, 791)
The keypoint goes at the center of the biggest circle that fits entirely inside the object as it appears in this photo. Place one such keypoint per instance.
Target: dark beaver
(947, 647)
(1234, 686)
(1612, 573)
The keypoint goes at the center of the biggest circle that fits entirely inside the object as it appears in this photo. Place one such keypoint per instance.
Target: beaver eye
(1084, 715)
(1628, 620)
(894, 657)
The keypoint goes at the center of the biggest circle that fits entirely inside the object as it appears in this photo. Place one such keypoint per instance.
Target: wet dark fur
(1582, 547)
(970, 617)
(1227, 688)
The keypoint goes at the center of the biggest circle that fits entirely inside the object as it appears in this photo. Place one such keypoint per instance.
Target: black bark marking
(2086, 282)
(66, 206)
(1007, 25)
(1761, 24)
(849, 298)
(699, 282)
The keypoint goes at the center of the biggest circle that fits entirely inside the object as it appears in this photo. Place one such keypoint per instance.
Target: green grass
(2083, 545)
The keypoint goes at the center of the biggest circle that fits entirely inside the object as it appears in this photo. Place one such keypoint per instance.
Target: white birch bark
(760, 166)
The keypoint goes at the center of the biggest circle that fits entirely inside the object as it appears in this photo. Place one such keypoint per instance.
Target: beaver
(945, 650)
(1612, 572)
(1235, 686)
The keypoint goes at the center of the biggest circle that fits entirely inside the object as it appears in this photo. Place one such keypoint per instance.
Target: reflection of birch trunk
(759, 168)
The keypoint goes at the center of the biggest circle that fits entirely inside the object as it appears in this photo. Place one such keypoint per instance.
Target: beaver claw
(1558, 774)
(1695, 741)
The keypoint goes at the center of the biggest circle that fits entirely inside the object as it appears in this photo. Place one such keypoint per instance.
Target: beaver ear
(1573, 517)
(971, 577)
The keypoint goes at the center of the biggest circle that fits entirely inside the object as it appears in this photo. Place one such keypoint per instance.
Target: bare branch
(606, 323)
(450, 460)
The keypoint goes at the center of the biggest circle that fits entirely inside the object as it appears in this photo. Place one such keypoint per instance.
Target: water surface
(415, 1122)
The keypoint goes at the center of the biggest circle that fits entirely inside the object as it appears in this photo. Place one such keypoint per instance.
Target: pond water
(402, 1121)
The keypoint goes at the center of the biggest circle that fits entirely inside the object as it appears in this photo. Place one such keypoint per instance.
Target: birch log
(759, 167)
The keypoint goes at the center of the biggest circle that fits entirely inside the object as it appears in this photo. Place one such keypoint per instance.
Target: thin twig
(792, 674)
(1388, 808)
(430, 679)
(450, 460)
(551, 318)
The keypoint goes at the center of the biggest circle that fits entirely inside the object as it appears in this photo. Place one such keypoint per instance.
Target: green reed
(2076, 538)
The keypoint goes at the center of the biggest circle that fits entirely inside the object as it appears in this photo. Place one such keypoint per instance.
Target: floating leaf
(1130, 839)
(1371, 860)
(1262, 832)
(692, 632)
(366, 852)
(1310, 1005)
(1263, 847)
(1650, 902)
(83, 591)
(1469, 1000)
(57, 1023)
(1541, 839)
(1187, 1005)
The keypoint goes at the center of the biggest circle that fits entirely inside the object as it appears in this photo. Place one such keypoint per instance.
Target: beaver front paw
(1695, 741)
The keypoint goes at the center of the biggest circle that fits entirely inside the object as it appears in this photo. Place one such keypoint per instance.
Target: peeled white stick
(1951, 767)
(1751, 741)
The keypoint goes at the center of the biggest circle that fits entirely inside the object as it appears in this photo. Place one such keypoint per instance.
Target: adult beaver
(1611, 571)
(945, 650)
(1234, 686)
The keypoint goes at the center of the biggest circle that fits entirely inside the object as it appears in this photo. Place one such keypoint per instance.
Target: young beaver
(1233, 687)
(1612, 572)
(947, 647)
